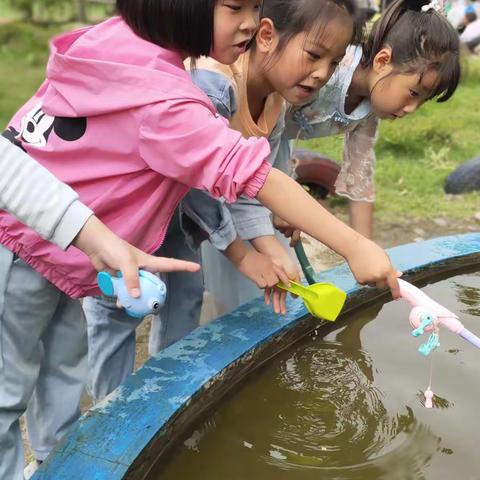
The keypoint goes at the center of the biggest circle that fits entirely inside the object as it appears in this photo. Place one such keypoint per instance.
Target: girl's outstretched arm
(368, 262)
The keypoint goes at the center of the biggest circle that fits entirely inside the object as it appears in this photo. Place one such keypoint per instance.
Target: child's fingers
(283, 302)
(282, 275)
(260, 282)
(295, 238)
(279, 223)
(276, 302)
(270, 278)
(163, 264)
(129, 269)
(392, 282)
(266, 295)
(279, 301)
(130, 276)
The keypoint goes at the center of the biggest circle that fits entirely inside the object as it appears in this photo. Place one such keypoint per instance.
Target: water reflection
(336, 421)
(468, 296)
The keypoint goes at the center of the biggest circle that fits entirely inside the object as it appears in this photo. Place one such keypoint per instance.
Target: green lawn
(414, 155)
(54, 11)
(23, 54)
(8, 11)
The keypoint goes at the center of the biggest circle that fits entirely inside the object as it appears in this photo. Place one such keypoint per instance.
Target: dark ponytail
(420, 41)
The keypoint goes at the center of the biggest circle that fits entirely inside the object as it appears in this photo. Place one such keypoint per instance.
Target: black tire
(316, 190)
(466, 178)
(316, 171)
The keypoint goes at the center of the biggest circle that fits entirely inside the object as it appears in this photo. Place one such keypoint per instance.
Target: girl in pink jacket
(119, 120)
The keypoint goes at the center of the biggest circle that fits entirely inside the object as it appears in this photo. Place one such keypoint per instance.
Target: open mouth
(305, 89)
(242, 45)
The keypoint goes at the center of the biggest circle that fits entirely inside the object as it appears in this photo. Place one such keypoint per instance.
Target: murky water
(347, 404)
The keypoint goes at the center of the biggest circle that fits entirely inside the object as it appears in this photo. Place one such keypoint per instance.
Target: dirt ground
(386, 234)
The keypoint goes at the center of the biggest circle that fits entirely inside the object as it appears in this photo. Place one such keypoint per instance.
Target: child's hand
(280, 256)
(256, 267)
(266, 273)
(107, 251)
(261, 270)
(370, 264)
(290, 232)
(265, 270)
(277, 295)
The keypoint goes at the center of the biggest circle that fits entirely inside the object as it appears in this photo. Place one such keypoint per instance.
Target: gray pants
(111, 332)
(43, 353)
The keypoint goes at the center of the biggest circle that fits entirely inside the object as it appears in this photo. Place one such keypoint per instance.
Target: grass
(23, 56)
(61, 12)
(8, 11)
(414, 155)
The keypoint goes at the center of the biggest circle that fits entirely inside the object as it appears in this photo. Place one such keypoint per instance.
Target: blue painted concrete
(106, 440)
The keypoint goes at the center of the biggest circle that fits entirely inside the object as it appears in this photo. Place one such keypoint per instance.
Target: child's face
(235, 23)
(399, 94)
(395, 94)
(307, 61)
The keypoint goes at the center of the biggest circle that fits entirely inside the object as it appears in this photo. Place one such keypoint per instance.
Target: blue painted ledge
(141, 417)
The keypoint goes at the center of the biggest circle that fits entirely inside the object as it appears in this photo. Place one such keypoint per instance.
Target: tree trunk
(82, 11)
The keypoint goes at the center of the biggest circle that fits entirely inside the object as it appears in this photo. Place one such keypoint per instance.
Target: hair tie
(437, 5)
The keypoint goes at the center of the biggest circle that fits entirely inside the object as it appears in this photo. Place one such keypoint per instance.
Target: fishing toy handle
(470, 337)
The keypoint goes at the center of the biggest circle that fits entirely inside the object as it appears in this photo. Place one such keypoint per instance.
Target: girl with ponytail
(410, 56)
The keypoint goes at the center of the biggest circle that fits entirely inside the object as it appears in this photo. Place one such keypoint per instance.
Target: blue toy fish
(152, 293)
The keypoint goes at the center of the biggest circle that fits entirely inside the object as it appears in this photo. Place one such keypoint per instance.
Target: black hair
(182, 25)
(421, 41)
(291, 17)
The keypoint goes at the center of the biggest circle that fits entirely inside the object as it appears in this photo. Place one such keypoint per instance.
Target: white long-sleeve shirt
(38, 198)
(471, 32)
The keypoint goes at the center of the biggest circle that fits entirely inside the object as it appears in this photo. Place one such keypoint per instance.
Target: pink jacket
(119, 120)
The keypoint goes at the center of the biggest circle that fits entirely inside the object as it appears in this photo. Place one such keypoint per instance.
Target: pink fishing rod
(425, 317)
(427, 314)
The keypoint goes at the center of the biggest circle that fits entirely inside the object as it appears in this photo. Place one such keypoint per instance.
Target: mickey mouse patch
(36, 127)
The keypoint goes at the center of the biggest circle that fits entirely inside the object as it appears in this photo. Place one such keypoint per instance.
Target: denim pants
(43, 362)
(111, 332)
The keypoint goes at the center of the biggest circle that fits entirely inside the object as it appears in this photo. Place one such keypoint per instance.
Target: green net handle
(307, 268)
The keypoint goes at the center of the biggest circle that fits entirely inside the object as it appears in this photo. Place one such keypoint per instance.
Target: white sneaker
(31, 468)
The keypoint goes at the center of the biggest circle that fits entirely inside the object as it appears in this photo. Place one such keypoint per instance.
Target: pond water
(347, 404)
